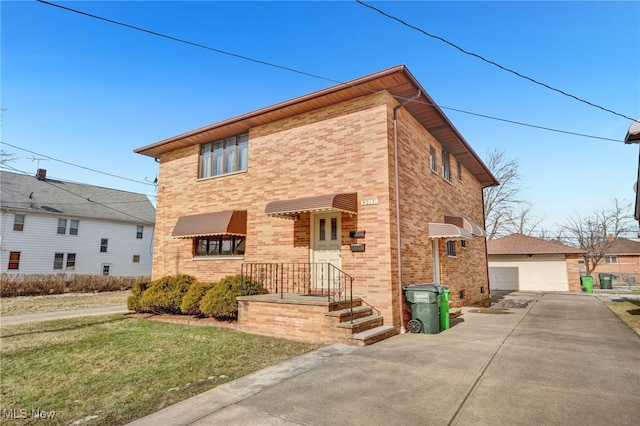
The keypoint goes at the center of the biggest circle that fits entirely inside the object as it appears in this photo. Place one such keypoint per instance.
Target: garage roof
(523, 244)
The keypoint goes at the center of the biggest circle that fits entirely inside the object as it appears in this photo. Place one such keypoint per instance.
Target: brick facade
(345, 147)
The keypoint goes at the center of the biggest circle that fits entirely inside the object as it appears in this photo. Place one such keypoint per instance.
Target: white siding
(39, 242)
(524, 273)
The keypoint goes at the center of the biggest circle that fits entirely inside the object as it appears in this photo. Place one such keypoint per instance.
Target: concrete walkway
(561, 359)
(48, 316)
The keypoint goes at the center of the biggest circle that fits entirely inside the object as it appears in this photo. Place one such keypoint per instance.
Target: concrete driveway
(563, 359)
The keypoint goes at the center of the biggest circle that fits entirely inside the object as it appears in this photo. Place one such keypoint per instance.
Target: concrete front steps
(367, 328)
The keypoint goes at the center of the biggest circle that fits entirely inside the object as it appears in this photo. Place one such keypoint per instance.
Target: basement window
(461, 295)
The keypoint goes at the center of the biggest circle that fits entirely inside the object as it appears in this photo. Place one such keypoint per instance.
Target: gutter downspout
(397, 189)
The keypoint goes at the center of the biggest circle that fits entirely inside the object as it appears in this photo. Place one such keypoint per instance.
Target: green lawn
(61, 302)
(113, 369)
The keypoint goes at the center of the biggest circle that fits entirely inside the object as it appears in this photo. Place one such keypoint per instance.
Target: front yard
(109, 370)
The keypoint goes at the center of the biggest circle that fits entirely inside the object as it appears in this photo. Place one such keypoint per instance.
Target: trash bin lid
(423, 287)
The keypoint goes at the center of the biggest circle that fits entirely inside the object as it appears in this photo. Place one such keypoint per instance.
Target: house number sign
(369, 202)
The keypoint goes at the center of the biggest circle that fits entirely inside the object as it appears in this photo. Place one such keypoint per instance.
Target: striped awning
(466, 224)
(232, 222)
(448, 231)
(347, 203)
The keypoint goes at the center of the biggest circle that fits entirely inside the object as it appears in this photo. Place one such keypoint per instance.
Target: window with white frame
(58, 260)
(139, 231)
(446, 166)
(14, 260)
(73, 227)
(611, 259)
(433, 160)
(18, 222)
(104, 243)
(451, 248)
(71, 261)
(224, 156)
(463, 244)
(136, 258)
(106, 269)
(219, 245)
(62, 226)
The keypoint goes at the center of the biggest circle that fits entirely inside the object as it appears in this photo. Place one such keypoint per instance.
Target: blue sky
(89, 92)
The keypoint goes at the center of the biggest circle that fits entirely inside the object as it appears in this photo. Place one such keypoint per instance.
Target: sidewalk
(562, 359)
(48, 316)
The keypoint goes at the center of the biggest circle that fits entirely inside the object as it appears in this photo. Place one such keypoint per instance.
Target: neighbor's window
(139, 230)
(219, 245)
(71, 261)
(106, 269)
(58, 259)
(14, 260)
(62, 226)
(104, 243)
(433, 160)
(136, 258)
(18, 222)
(224, 156)
(451, 248)
(611, 259)
(446, 165)
(73, 227)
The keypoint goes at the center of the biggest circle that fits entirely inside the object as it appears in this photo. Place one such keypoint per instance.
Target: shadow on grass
(50, 326)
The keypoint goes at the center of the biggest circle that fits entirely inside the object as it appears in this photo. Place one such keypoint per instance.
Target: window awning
(347, 203)
(233, 222)
(466, 224)
(448, 231)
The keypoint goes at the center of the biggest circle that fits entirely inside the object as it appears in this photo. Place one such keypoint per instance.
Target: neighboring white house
(50, 226)
(519, 262)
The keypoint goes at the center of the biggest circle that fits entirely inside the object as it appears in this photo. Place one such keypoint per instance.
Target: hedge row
(181, 294)
(12, 285)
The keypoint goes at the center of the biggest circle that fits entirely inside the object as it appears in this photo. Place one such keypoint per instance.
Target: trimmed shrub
(220, 301)
(12, 285)
(133, 301)
(164, 296)
(191, 301)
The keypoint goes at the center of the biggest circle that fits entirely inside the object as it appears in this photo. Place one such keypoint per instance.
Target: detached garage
(523, 263)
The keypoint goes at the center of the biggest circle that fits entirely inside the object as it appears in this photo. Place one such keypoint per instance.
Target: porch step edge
(360, 321)
(345, 312)
(373, 335)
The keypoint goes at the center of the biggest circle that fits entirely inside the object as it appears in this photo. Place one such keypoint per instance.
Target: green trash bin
(587, 284)
(605, 281)
(444, 307)
(424, 300)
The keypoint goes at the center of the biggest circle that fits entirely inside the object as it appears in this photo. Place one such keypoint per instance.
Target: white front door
(326, 248)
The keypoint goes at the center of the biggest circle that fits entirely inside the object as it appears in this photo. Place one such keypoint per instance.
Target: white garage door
(503, 278)
(529, 273)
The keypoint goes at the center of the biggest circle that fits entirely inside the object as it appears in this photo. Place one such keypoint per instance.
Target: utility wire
(489, 61)
(76, 165)
(81, 196)
(317, 76)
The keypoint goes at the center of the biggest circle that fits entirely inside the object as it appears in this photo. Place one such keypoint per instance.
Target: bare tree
(520, 220)
(6, 157)
(501, 201)
(596, 233)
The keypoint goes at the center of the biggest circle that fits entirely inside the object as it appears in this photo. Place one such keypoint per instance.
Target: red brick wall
(573, 273)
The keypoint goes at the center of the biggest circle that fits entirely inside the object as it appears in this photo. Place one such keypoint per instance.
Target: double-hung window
(224, 156)
(451, 248)
(58, 260)
(73, 227)
(14, 260)
(62, 226)
(18, 222)
(433, 160)
(446, 166)
(104, 243)
(139, 231)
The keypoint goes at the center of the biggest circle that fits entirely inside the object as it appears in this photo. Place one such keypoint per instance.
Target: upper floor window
(62, 226)
(433, 160)
(446, 166)
(14, 260)
(224, 156)
(18, 222)
(219, 245)
(104, 243)
(73, 227)
(459, 170)
(139, 230)
(611, 259)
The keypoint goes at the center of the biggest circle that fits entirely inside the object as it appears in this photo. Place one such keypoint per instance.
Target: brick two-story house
(353, 191)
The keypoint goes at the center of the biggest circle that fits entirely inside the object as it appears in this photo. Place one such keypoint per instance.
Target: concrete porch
(312, 318)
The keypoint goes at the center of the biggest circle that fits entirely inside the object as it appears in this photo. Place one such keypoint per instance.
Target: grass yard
(60, 302)
(629, 312)
(109, 370)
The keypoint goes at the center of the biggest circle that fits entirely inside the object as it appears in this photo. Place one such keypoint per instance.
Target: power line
(317, 76)
(77, 165)
(482, 58)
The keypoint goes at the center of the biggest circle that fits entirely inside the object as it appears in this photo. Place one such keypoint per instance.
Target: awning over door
(448, 232)
(347, 203)
(233, 222)
(466, 224)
